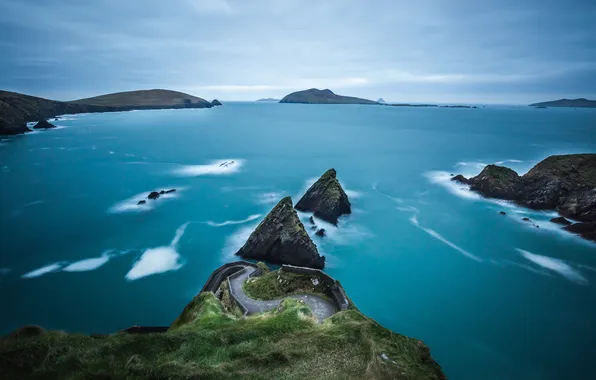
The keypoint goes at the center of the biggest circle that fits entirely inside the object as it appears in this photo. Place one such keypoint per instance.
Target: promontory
(316, 96)
(18, 109)
(579, 103)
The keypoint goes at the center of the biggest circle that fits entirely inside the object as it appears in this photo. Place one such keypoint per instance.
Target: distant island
(268, 100)
(381, 100)
(579, 103)
(18, 109)
(316, 96)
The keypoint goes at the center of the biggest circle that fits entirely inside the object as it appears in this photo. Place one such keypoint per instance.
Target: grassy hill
(581, 102)
(210, 340)
(316, 96)
(18, 109)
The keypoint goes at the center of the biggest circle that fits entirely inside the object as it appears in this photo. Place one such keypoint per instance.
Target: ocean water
(493, 297)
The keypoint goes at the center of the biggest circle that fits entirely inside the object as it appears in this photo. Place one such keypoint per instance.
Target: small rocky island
(326, 198)
(43, 124)
(282, 239)
(565, 183)
(248, 322)
(316, 96)
(573, 103)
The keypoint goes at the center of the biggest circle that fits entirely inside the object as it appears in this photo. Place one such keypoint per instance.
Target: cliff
(209, 341)
(581, 102)
(281, 239)
(316, 96)
(18, 109)
(565, 183)
(326, 198)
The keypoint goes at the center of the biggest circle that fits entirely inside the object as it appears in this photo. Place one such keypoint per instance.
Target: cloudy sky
(510, 51)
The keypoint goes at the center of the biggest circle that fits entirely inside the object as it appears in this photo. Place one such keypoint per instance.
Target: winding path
(320, 307)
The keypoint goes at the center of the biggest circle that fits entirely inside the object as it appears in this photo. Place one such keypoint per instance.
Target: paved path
(320, 307)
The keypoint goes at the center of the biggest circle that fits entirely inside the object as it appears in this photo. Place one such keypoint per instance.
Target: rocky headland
(565, 183)
(282, 239)
(326, 199)
(18, 109)
(574, 103)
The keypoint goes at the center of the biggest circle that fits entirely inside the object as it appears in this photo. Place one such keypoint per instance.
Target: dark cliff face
(326, 198)
(566, 183)
(281, 239)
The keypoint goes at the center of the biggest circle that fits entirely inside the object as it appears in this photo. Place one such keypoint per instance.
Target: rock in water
(461, 179)
(281, 239)
(495, 182)
(43, 124)
(560, 220)
(153, 195)
(171, 191)
(216, 103)
(311, 220)
(326, 198)
(142, 202)
(502, 213)
(321, 232)
(586, 230)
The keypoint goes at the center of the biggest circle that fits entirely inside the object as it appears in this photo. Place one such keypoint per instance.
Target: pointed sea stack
(216, 103)
(281, 239)
(326, 198)
(43, 124)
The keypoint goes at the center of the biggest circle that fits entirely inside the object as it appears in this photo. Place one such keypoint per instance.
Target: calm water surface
(494, 297)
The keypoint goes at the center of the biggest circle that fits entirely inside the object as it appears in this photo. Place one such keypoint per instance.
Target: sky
(460, 51)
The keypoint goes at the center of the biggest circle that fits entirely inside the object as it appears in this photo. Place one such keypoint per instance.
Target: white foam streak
(159, 259)
(235, 241)
(44, 270)
(88, 264)
(232, 222)
(219, 167)
(443, 179)
(555, 265)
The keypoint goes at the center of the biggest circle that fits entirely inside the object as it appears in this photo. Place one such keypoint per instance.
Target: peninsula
(565, 183)
(316, 96)
(246, 323)
(18, 109)
(574, 103)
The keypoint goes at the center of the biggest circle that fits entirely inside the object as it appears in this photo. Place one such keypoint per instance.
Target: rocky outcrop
(281, 239)
(560, 220)
(216, 103)
(565, 183)
(153, 195)
(326, 198)
(141, 202)
(586, 230)
(321, 232)
(461, 179)
(43, 124)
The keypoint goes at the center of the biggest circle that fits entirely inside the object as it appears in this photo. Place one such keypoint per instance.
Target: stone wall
(222, 273)
(238, 302)
(338, 295)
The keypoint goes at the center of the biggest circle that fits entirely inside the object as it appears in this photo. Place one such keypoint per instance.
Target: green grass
(278, 284)
(205, 342)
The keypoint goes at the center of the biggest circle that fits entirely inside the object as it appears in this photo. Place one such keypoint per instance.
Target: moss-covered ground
(206, 342)
(279, 283)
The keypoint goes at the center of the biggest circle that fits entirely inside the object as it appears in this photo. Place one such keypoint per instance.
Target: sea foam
(159, 259)
(554, 265)
(232, 222)
(88, 264)
(44, 270)
(219, 167)
(131, 204)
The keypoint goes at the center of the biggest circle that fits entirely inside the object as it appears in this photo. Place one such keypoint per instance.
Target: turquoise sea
(493, 297)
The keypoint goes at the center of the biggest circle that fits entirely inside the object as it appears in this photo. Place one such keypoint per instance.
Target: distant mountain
(315, 96)
(581, 102)
(381, 100)
(18, 109)
(268, 100)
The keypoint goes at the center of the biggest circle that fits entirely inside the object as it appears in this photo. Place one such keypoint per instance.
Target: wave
(554, 265)
(44, 270)
(235, 241)
(88, 264)
(131, 204)
(436, 235)
(231, 222)
(219, 167)
(159, 259)
(443, 179)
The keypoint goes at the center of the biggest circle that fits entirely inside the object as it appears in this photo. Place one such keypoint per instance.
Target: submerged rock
(281, 239)
(313, 228)
(142, 202)
(170, 191)
(560, 220)
(321, 232)
(153, 195)
(502, 213)
(43, 124)
(526, 219)
(326, 198)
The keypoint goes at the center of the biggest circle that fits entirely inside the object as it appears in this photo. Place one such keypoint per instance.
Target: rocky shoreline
(563, 183)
